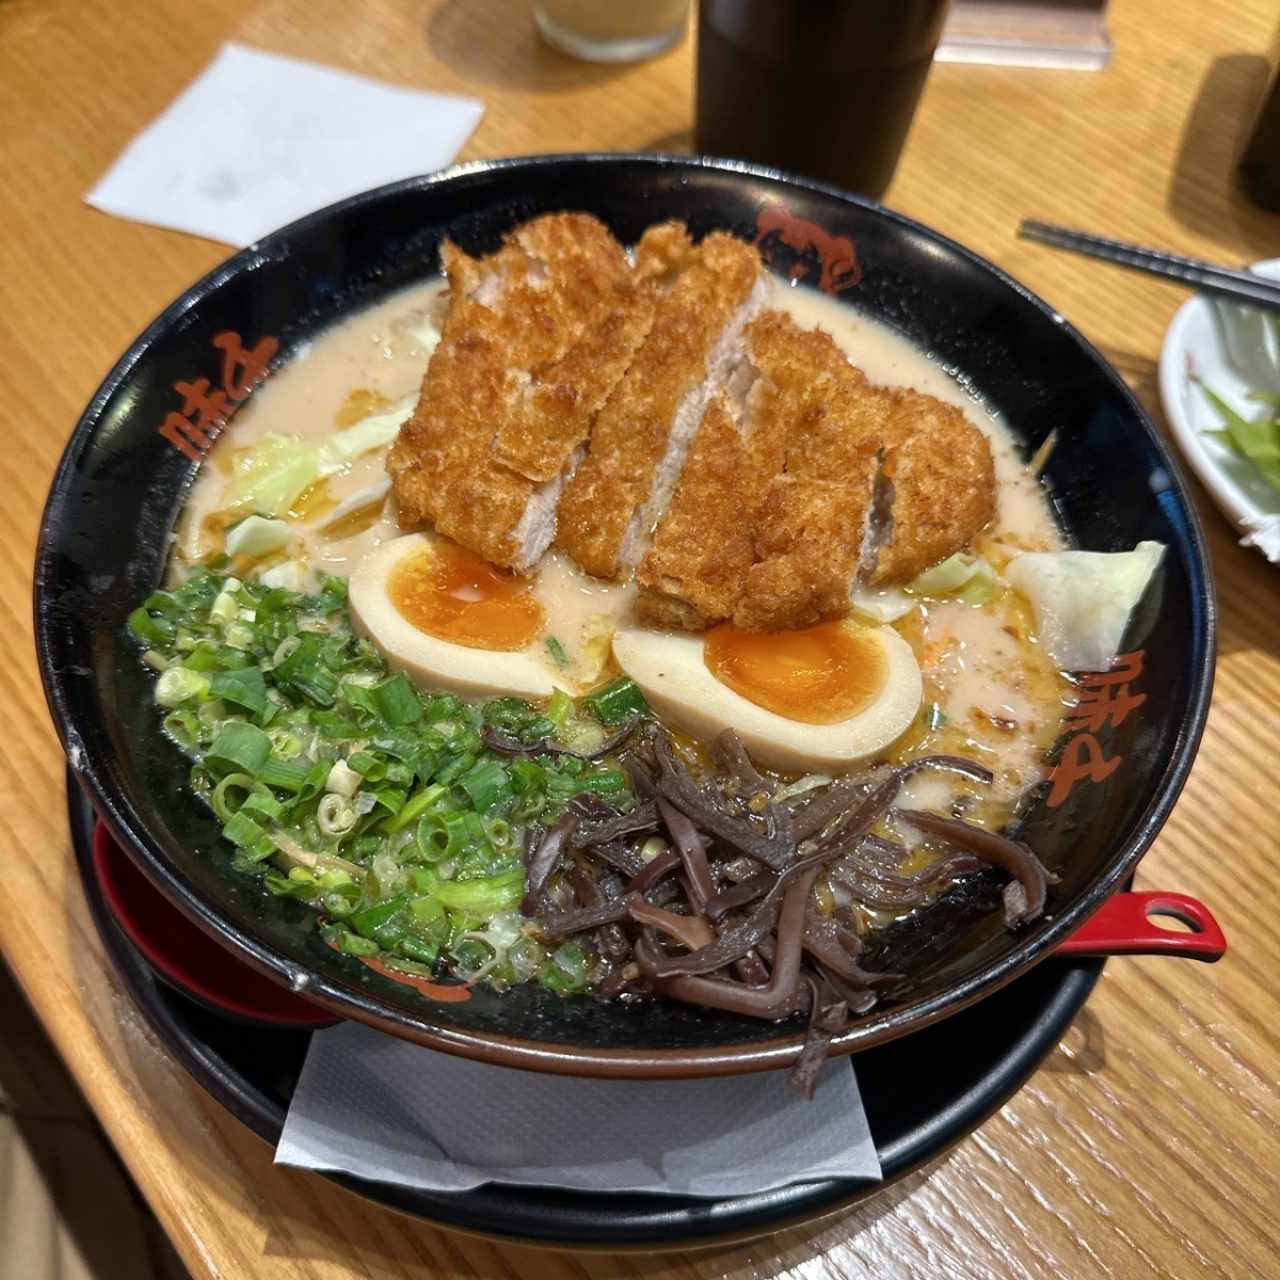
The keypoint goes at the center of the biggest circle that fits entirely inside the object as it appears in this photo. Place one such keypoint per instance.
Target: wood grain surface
(1148, 1144)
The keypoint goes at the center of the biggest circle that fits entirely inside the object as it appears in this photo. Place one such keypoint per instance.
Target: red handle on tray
(1124, 926)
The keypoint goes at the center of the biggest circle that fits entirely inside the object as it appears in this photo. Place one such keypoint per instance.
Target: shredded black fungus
(726, 917)
(543, 859)
(1024, 898)
(828, 1015)
(693, 854)
(729, 752)
(739, 895)
(598, 828)
(622, 857)
(564, 924)
(769, 838)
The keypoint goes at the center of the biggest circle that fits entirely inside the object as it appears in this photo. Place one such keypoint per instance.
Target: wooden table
(1148, 1143)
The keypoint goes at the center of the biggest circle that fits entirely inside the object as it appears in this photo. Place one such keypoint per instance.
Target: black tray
(915, 1111)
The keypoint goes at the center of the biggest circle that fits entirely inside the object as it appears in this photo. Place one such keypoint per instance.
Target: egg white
(671, 672)
(455, 668)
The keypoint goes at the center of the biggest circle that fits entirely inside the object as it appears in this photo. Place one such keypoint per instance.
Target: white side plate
(1193, 348)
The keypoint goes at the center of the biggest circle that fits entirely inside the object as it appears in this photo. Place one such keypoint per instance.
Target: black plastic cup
(825, 88)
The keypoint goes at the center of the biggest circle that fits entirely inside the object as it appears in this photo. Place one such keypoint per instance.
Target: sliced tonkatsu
(648, 415)
(534, 338)
(639, 441)
(834, 480)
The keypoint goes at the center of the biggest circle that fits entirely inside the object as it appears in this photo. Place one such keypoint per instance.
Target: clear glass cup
(612, 30)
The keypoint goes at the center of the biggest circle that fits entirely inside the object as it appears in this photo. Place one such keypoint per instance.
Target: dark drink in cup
(826, 88)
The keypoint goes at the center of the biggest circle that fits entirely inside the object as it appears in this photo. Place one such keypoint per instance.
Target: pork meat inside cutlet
(942, 486)
(640, 437)
(534, 338)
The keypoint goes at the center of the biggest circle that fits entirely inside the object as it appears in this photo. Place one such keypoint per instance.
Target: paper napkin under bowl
(385, 1110)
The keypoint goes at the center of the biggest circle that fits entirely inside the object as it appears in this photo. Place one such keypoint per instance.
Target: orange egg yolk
(452, 594)
(818, 675)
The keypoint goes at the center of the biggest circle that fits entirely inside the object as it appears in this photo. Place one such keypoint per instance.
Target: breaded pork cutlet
(640, 437)
(663, 252)
(534, 338)
(806, 484)
(697, 563)
(814, 530)
(693, 573)
(941, 485)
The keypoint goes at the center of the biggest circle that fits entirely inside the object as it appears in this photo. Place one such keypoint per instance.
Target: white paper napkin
(372, 1105)
(257, 140)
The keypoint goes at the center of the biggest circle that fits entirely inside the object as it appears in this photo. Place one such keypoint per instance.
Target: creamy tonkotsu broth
(990, 692)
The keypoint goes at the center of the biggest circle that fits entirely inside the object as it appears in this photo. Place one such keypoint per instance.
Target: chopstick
(1223, 282)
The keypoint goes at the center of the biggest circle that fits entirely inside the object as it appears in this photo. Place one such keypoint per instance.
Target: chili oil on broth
(990, 692)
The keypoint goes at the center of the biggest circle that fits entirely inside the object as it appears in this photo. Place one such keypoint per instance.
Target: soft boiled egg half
(457, 623)
(821, 697)
(450, 619)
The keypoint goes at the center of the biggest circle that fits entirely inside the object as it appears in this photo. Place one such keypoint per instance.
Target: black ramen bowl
(1112, 482)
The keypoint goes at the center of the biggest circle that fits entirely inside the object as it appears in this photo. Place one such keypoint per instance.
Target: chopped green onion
(286, 775)
(444, 706)
(423, 952)
(242, 830)
(604, 782)
(149, 630)
(416, 805)
(245, 687)
(342, 780)
(224, 807)
(617, 702)
(178, 685)
(368, 921)
(488, 784)
(397, 773)
(226, 608)
(558, 655)
(335, 814)
(366, 765)
(498, 831)
(568, 969)
(559, 709)
(389, 798)
(239, 746)
(397, 702)
(441, 835)
(262, 804)
(430, 919)
(353, 944)
(483, 897)
(183, 728)
(452, 771)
